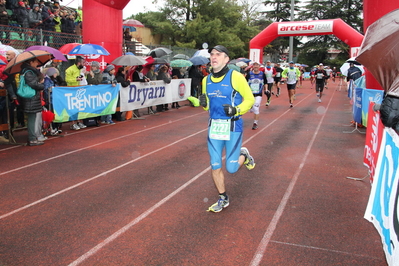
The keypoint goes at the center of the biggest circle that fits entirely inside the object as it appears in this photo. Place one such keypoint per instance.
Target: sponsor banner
(305, 28)
(382, 208)
(254, 55)
(357, 105)
(373, 140)
(74, 103)
(370, 95)
(145, 94)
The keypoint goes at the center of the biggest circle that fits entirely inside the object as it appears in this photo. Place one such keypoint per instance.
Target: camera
(81, 76)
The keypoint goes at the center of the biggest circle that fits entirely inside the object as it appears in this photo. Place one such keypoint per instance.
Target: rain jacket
(34, 104)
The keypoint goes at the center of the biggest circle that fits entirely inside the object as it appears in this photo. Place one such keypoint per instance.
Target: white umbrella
(345, 66)
(4, 48)
(202, 52)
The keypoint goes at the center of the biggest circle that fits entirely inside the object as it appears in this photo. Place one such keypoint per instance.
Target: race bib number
(278, 75)
(220, 129)
(255, 88)
(319, 76)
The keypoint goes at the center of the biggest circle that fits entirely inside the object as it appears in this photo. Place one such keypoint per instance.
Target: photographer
(73, 78)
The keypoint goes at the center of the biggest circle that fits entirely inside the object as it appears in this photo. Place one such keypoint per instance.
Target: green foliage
(190, 23)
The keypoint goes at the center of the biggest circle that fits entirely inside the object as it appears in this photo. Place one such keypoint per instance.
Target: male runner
(227, 96)
(256, 80)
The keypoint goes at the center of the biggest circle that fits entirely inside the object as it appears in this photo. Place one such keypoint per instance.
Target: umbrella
(180, 63)
(159, 52)
(4, 48)
(56, 53)
(199, 60)
(132, 23)
(243, 59)
(160, 61)
(14, 66)
(86, 49)
(380, 52)
(2, 62)
(181, 56)
(129, 60)
(234, 67)
(353, 61)
(303, 65)
(66, 48)
(202, 52)
(241, 64)
(345, 66)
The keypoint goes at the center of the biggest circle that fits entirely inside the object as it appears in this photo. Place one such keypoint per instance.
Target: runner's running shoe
(249, 160)
(255, 126)
(220, 204)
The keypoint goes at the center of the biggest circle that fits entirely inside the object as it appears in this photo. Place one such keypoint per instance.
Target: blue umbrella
(199, 60)
(89, 49)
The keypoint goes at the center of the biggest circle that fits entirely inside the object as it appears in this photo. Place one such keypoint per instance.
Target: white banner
(145, 94)
(303, 28)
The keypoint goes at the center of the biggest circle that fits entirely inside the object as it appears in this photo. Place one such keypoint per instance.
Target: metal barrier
(22, 38)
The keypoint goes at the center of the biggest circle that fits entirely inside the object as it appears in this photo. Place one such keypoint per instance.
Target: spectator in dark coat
(33, 106)
(4, 19)
(22, 15)
(120, 78)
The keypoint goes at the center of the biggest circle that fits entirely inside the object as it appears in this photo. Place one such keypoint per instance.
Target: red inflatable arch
(102, 24)
(305, 28)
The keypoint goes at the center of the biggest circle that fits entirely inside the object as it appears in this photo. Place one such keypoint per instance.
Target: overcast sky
(133, 7)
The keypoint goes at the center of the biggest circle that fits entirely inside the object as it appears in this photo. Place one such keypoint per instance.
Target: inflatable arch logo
(305, 28)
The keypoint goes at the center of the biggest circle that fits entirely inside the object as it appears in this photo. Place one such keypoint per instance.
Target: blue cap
(292, 62)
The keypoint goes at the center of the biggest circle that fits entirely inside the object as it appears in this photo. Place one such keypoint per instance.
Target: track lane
(193, 236)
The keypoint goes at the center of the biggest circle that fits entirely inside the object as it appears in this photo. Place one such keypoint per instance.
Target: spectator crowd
(31, 16)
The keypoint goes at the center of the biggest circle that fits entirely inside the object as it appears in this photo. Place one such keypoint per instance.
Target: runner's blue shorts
(233, 149)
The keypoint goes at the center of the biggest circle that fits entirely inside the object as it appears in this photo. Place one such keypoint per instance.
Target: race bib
(220, 129)
(319, 75)
(277, 74)
(255, 88)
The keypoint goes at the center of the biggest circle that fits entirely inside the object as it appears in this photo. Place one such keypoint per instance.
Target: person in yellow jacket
(226, 95)
(73, 78)
(291, 75)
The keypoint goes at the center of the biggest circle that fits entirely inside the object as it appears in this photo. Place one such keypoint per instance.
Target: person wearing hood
(95, 76)
(108, 78)
(36, 22)
(33, 106)
(50, 81)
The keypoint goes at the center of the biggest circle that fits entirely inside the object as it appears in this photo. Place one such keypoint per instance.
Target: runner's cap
(220, 48)
(292, 62)
(320, 64)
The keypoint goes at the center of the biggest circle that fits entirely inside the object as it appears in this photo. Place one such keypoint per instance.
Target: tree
(350, 11)
(279, 11)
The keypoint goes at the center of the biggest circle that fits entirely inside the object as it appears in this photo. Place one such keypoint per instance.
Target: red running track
(136, 193)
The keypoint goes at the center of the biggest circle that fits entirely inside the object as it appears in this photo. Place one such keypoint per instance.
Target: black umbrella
(181, 56)
(160, 61)
(159, 52)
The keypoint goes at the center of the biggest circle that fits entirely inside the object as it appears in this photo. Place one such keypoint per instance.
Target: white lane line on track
(328, 250)
(142, 216)
(135, 221)
(97, 176)
(94, 145)
(279, 212)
